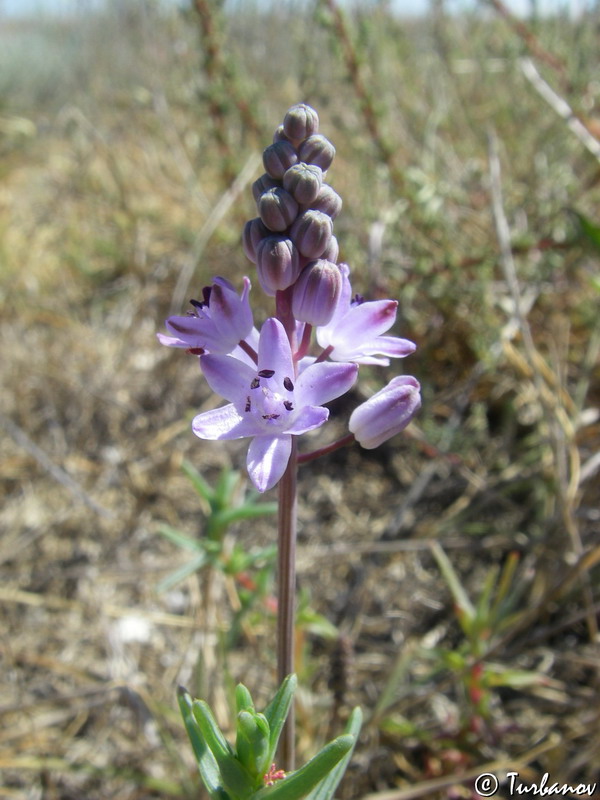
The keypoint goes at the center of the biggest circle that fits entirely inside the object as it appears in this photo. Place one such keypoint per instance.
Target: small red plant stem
(304, 458)
(287, 596)
(249, 350)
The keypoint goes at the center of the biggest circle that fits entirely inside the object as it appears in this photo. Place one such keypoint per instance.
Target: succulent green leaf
(236, 778)
(278, 709)
(325, 789)
(243, 699)
(298, 784)
(207, 765)
(252, 743)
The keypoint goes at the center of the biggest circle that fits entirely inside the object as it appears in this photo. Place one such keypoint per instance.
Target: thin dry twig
(560, 105)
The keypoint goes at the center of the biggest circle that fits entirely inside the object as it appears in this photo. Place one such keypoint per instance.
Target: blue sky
(16, 7)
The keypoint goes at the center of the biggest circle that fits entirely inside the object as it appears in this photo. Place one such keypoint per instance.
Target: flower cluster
(274, 387)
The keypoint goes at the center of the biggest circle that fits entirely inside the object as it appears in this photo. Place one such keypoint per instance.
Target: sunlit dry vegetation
(449, 579)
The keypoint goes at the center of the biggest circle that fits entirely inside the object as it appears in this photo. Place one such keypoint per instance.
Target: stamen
(266, 373)
(196, 351)
(197, 304)
(255, 383)
(271, 416)
(206, 294)
(248, 404)
(287, 382)
(288, 405)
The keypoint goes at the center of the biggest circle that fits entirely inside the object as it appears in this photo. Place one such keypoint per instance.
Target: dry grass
(116, 182)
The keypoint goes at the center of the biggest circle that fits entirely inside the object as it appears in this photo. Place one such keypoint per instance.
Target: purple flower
(354, 331)
(386, 413)
(269, 402)
(217, 324)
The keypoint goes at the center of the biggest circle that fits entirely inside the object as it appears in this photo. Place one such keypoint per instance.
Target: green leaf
(228, 516)
(243, 699)
(466, 612)
(198, 482)
(207, 765)
(180, 538)
(278, 709)
(236, 778)
(589, 230)
(326, 788)
(252, 743)
(179, 574)
(298, 784)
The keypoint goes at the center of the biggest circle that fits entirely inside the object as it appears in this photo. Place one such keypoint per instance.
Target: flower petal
(308, 419)
(227, 376)
(223, 423)
(274, 350)
(323, 382)
(267, 459)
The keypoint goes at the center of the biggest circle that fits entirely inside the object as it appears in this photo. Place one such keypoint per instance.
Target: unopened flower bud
(279, 135)
(277, 263)
(332, 251)
(386, 413)
(316, 292)
(262, 185)
(328, 201)
(311, 232)
(300, 121)
(277, 209)
(303, 182)
(317, 149)
(254, 231)
(279, 157)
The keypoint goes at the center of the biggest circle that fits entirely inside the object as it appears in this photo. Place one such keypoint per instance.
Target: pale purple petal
(227, 376)
(365, 320)
(308, 419)
(267, 459)
(172, 341)
(232, 315)
(389, 346)
(323, 382)
(220, 423)
(274, 350)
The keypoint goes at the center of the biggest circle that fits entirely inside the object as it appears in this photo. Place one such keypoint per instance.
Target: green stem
(287, 596)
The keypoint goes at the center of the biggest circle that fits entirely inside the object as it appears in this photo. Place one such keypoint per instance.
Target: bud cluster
(291, 241)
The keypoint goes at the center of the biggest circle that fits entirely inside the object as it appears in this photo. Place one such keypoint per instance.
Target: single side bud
(303, 182)
(316, 292)
(254, 231)
(277, 209)
(279, 157)
(262, 185)
(332, 251)
(386, 413)
(317, 149)
(300, 121)
(328, 201)
(279, 135)
(277, 263)
(311, 232)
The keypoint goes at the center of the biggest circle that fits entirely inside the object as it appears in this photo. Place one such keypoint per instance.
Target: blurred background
(449, 579)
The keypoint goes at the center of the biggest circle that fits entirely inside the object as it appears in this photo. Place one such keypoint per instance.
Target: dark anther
(359, 299)
(247, 407)
(270, 416)
(195, 351)
(266, 373)
(197, 304)
(255, 383)
(287, 382)
(206, 294)
(288, 405)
